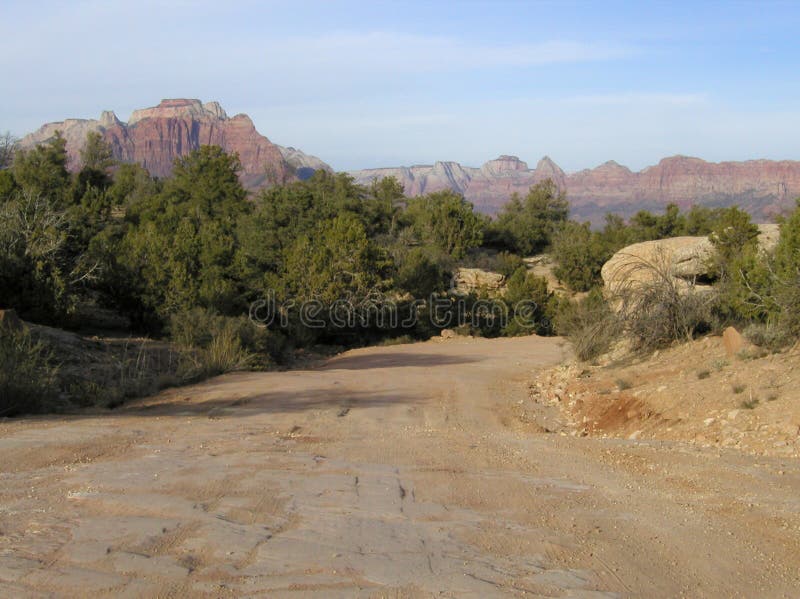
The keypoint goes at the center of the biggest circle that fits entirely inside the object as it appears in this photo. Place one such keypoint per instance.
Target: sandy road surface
(401, 471)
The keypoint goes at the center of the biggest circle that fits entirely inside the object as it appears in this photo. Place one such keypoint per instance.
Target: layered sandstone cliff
(154, 137)
(763, 187)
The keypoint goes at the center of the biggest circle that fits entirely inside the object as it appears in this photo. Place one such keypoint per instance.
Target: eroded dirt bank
(406, 471)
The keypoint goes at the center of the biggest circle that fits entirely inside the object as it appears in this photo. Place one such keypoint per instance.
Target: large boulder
(687, 261)
(692, 258)
(681, 259)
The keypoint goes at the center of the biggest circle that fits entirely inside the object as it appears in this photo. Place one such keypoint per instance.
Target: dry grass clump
(768, 336)
(213, 344)
(657, 309)
(28, 375)
(590, 324)
(652, 310)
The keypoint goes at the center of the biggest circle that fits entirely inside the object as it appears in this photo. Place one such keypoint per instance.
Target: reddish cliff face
(762, 187)
(154, 137)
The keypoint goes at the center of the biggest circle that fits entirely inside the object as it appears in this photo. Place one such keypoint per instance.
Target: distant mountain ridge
(155, 136)
(762, 187)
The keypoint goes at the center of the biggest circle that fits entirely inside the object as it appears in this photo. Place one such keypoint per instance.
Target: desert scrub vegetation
(658, 309)
(651, 313)
(719, 364)
(590, 324)
(400, 340)
(214, 344)
(749, 404)
(124, 369)
(770, 337)
(580, 251)
(182, 259)
(28, 374)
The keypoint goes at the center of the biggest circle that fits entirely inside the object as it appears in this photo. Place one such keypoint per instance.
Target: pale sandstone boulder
(644, 263)
(693, 258)
(687, 260)
(469, 280)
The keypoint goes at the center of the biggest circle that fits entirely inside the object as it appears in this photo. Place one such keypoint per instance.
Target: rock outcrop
(762, 187)
(154, 137)
(487, 187)
(688, 261)
(477, 280)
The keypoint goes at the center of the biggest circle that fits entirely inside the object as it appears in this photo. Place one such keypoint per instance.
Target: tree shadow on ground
(271, 402)
(394, 360)
(225, 396)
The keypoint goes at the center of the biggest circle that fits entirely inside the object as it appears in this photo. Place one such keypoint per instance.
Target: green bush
(529, 305)
(507, 263)
(526, 225)
(759, 288)
(579, 254)
(420, 273)
(445, 220)
(733, 234)
(28, 377)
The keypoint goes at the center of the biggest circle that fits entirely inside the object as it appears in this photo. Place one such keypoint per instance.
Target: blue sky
(366, 84)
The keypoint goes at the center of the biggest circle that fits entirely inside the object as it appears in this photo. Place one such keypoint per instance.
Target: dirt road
(405, 471)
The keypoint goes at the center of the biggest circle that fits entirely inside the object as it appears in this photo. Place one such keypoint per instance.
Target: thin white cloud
(619, 99)
(410, 52)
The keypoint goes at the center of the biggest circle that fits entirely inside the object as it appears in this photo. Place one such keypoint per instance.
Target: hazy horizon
(395, 84)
